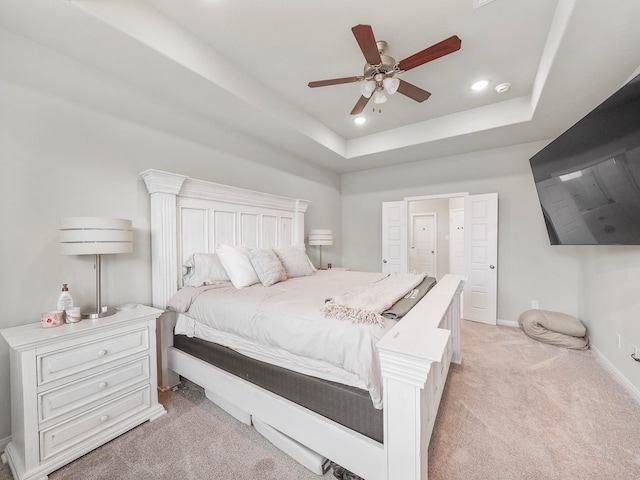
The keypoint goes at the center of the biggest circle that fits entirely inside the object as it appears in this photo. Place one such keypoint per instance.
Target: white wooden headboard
(194, 216)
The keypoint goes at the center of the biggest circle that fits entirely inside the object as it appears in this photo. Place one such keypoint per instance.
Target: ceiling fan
(380, 70)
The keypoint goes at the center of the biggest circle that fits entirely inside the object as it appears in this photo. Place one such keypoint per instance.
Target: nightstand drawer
(71, 398)
(63, 363)
(81, 428)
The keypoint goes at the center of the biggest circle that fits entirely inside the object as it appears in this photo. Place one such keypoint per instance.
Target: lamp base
(105, 312)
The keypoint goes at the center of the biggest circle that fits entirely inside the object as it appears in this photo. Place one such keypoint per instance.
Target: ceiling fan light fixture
(367, 88)
(377, 79)
(391, 85)
(379, 96)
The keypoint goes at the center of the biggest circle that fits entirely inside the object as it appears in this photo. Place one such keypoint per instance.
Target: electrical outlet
(619, 337)
(535, 304)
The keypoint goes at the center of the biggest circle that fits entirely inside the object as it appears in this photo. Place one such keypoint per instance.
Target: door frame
(405, 245)
(407, 200)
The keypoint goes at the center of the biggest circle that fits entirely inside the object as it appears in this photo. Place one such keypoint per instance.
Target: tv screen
(588, 179)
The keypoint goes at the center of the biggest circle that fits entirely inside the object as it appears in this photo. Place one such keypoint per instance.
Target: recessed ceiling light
(503, 87)
(360, 120)
(479, 85)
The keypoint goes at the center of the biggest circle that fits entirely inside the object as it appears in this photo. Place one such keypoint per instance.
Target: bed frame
(189, 216)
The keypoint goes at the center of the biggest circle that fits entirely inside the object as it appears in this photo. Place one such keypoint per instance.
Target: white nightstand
(77, 386)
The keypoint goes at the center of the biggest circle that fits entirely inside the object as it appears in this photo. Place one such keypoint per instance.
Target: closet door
(481, 258)
(394, 236)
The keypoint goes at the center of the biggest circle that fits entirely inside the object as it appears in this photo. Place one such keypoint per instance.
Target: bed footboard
(415, 357)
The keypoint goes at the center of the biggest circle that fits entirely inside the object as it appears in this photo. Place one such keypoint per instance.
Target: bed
(413, 354)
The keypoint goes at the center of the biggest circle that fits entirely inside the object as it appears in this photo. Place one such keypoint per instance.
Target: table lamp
(96, 236)
(320, 237)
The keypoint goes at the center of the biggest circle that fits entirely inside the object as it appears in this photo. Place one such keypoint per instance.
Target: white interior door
(456, 242)
(481, 257)
(394, 236)
(422, 254)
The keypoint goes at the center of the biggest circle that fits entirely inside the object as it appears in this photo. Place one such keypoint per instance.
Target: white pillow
(267, 266)
(236, 263)
(294, 260)
(203, 269)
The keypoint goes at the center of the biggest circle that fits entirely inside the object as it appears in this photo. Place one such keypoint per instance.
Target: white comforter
(287, 316)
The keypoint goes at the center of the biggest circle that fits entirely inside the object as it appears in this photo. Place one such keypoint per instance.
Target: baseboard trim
(635, 393)
(507, 323)
(4, 442)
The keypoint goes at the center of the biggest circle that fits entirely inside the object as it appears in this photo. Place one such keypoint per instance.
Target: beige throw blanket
(366, 304)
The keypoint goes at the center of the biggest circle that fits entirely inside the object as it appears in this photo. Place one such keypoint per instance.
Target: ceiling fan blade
(334, 81)
(413, 92)
(357, 110)
(438, 50)
(367, 41)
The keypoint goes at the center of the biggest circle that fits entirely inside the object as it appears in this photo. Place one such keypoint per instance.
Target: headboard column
(298, 221)
(163, 189)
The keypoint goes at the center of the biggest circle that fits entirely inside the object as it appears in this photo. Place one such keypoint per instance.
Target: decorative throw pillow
(203, 269)
(236, 263)
(267, 266)
(294, 260)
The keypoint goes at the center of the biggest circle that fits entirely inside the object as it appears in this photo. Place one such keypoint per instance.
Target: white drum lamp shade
(96, 236)
(320, 237)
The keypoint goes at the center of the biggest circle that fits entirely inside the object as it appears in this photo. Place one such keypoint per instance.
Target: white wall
(60, 159)
(610, 305)
(528, 267)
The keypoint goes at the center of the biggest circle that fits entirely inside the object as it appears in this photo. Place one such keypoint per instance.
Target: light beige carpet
(515, 409)
(520, 409)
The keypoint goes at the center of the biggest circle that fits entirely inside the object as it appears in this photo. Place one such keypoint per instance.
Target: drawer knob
(104, 418)
(102, 384)
(102, 353)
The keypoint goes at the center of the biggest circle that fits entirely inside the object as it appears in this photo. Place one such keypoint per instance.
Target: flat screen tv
(588, 179)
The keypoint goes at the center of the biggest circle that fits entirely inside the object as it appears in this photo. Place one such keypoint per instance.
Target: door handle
(492, 267)
(384, 261)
